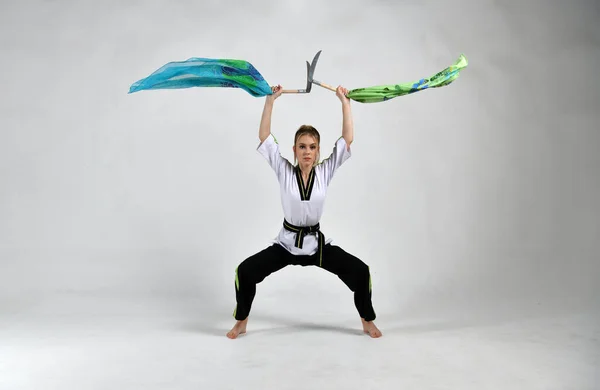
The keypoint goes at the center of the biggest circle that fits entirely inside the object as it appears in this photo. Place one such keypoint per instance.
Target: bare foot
(370, 328)
(238, 328)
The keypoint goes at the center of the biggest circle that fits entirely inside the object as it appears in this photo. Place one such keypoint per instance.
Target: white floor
(88, 343)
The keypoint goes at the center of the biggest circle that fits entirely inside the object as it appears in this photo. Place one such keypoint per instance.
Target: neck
(305, 169)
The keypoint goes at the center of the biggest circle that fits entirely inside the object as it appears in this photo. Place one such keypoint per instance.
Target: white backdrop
(479, 197)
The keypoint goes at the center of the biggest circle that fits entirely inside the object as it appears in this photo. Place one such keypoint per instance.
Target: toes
(234, 333)
(373, 332)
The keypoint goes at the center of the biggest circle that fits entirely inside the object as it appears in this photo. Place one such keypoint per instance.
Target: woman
(300, 240)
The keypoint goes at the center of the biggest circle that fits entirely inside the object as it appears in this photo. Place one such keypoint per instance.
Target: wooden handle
(293, 91)
(324, 85)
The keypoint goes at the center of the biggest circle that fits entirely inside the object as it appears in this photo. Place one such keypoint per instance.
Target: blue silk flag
(206, 72)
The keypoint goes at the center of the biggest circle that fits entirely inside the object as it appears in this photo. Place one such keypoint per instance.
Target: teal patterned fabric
(205, 72)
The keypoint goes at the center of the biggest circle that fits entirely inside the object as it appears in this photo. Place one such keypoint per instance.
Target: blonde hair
(311, 131)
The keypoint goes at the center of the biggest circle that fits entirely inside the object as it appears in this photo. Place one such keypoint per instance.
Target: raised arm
(265, 121)
(341, 151)
(347, 121)
(268, 146)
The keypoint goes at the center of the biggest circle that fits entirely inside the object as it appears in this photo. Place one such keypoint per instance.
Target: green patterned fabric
(386, 92)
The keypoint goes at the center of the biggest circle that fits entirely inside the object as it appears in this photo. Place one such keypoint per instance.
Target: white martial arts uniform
(299, 211)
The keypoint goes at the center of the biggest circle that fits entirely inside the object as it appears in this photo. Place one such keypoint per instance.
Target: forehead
(307, 139)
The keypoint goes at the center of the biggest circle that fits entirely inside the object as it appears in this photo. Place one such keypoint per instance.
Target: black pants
(350, 269)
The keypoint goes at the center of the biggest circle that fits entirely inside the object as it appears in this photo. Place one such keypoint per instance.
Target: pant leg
(355, 274)
(252, 271)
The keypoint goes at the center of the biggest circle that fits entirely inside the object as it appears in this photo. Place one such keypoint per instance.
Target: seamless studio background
(475, 205)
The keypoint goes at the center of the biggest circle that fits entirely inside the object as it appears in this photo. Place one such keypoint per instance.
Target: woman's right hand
(277, 91)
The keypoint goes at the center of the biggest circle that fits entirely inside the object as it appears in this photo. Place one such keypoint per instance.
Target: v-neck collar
(305, 191)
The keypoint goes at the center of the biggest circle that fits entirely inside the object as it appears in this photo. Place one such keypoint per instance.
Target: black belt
(302, 231)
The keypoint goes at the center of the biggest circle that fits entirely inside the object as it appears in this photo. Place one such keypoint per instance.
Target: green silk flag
(382, 93)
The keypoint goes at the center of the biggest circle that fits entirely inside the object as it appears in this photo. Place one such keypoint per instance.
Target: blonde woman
(300, 241)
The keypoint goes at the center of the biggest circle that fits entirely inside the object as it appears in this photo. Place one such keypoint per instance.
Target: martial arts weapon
(232, 73)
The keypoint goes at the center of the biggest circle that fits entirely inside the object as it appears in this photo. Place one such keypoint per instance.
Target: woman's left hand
(341, 93)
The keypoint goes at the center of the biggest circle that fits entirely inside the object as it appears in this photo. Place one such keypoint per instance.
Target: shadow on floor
(215, 324)
(276, 325)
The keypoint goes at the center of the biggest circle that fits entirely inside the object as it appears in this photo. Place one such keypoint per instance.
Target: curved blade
(310, 70)
(308, 78)
(311, 73)
(311, 67)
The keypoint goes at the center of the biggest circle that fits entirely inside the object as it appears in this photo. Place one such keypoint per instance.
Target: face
(306, 150)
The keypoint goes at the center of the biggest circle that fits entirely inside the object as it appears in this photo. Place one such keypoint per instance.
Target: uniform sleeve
(269, 149)
(341, 152)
